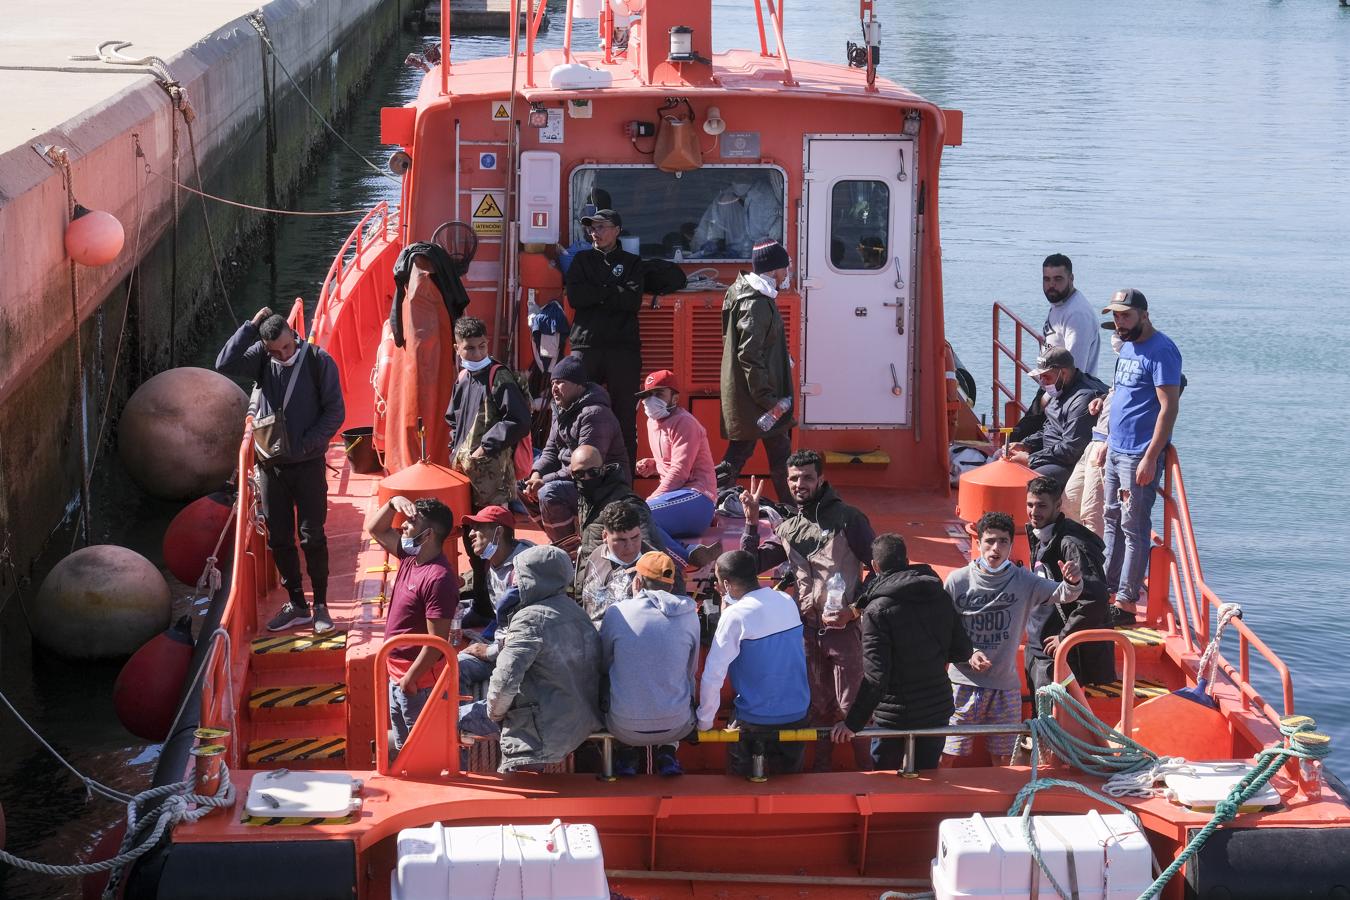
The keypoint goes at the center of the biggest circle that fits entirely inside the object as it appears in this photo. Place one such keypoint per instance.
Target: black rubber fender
(1268, 863)
(274, 870)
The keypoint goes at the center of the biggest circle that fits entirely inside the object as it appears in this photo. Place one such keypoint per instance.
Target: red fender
(192, 535)
(148, 688)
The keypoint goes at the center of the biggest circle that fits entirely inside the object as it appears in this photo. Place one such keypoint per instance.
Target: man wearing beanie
(604, 286)
(581, 415)
(756, 371)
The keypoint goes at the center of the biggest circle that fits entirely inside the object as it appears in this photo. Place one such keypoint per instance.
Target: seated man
(683, 502)
(606, 574)
(424, 598)
(1067, 430)
(599, 485)
(649, 643)
(1055, 538)
(545, 690)
(491, 537)
(910, 632)
(581, 415)
(759, 642)
(995, 599)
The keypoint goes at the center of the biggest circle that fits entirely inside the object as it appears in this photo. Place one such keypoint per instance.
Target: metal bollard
(910, 760)
(607, 760)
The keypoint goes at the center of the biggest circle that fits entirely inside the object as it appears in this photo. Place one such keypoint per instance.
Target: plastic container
(500, 862)
(770, 418)
(360, 446)
(834, 596)
(990, 859)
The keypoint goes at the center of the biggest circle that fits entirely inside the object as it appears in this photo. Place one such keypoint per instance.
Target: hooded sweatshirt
(994, 608)
(649, 645)
(759, 643)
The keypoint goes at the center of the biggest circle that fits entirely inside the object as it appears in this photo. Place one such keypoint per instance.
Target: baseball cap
(1125, 300)
(602, 217)
(660, 379)
(490, 515)
(656, 566)
(1052, 358)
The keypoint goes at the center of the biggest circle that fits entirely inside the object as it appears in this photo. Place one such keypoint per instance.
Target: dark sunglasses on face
(587, 474)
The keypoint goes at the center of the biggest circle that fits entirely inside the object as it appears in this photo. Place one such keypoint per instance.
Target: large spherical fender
(148, 688)
(100, 602)
(91, 886)
(191, 536)
(180, 432)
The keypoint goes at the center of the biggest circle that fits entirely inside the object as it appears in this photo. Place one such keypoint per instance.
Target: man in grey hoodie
(995, 598)
(649, 645)
(545, 689)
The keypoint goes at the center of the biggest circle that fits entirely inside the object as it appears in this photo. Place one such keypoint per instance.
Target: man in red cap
(490, 538)
(686, 491)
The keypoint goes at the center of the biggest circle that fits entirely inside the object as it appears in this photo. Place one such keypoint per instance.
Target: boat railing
(379, 221)
(1007, 401)
(1179, 599)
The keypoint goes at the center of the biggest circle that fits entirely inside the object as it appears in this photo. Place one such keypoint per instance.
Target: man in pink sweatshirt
(686, 493)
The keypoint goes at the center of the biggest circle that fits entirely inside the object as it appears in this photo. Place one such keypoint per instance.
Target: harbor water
(1193, 151)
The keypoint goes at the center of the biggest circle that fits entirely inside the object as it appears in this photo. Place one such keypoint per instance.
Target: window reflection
(860, 217)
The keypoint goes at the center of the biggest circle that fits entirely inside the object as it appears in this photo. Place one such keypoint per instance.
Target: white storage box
(990, 859)
(500, 862)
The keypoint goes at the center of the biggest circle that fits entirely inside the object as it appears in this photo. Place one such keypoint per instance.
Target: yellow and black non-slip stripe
(299, 643)
(1143, 690)
(293, 695)
(294, 820)
(328, 746)
(1142, 637)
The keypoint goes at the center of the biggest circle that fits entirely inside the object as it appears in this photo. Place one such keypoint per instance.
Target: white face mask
(1044, 534)
(655, 408)
(478, 366)
(996, 569)
(1116, 342)
(1051, 390)
(786, 282)
(295, 357)
(411, 544)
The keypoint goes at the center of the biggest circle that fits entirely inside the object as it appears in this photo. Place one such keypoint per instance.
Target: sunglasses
(587, 474)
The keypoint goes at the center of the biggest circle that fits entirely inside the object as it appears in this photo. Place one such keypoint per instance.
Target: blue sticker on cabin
(487, 161)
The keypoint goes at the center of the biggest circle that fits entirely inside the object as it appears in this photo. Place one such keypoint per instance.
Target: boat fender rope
(1210, 660)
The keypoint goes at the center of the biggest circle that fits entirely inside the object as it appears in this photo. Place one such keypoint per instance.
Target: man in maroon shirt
(425, 598)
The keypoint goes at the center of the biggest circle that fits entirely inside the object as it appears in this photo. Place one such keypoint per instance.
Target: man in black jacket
(298, 384)
(1055, 538)
(1056, 447)
(604, 286)
(910, 632)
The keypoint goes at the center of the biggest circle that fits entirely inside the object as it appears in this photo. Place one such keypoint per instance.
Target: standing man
(604, 286)
(1066, 429)
(1144, 406)
(297, 408)
(758, 642)
(826, 538)
(424, 598)
(1055, 538)
(910, 632)
(1071, 322)
(756, 370)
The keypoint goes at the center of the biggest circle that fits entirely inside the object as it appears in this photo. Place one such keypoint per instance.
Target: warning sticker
(500, 113)
(487, 212)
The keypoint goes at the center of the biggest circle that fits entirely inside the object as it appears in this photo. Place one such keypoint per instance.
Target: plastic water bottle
(834, 597)
(457, 626)
(770, 418)
(679, 254)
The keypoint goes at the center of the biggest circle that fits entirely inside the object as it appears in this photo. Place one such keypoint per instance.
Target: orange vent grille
(705, 345)
(658, 338)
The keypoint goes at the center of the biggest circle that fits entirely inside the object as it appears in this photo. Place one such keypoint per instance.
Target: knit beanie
(569, 368)
(769, 256)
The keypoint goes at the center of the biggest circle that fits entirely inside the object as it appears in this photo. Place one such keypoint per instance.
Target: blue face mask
(490, 550)
(412, 544)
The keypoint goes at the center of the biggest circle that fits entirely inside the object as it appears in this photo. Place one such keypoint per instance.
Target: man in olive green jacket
(756, 370)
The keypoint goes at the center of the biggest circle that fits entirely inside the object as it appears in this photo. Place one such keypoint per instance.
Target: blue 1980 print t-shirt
(1142, 368)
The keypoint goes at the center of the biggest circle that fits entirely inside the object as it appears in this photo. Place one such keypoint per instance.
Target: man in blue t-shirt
(1143, 411)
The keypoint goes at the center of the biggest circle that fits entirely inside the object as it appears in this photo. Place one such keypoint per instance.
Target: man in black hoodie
(1055, 538)
(910, 632)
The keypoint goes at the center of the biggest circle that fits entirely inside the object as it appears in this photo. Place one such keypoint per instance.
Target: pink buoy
(192, 535)
(94, 237)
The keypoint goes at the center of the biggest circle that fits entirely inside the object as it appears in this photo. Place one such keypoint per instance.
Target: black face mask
(587, 479)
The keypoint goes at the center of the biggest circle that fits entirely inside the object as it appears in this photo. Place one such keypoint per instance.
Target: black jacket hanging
(443, 274)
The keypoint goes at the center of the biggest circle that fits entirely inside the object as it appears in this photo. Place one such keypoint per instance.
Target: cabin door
(857, 282)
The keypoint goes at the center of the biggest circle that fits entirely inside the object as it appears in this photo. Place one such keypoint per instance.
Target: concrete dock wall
(254, 139)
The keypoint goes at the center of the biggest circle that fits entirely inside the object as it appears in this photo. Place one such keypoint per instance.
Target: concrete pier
(253, 136)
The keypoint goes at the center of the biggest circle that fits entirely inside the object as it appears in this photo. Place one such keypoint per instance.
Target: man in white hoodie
(995, 598)
(649, 646)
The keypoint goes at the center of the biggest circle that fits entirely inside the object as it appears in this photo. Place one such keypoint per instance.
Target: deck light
(538, 116)
(400, 162)
(911, 127)
(682, 44)
(713, 123)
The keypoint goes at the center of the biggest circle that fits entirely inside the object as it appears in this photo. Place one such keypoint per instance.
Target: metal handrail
(1014, 354)
(428, 753)
(337, 270)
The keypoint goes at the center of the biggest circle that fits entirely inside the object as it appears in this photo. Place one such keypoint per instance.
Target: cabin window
(714, 213)
(860, 217)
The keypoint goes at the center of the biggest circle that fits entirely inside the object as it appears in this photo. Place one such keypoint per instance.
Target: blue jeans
(558, 502)
(404, 710)
(1129, 525)
(474, 719)
(472, 672)
(683, 513)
